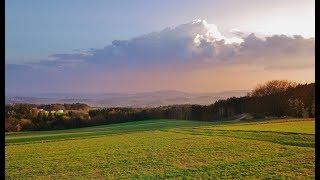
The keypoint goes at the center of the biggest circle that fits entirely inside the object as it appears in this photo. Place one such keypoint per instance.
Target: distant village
(47, 112)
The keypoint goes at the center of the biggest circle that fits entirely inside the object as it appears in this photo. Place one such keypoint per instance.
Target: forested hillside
(274, 99)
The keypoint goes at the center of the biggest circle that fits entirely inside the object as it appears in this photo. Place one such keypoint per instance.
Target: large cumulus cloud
(196, 44)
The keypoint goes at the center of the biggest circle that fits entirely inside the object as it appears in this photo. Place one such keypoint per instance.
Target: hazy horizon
(122, 92)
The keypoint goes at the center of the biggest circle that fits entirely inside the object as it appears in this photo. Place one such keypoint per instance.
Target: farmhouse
(60, 111)
(47, 112)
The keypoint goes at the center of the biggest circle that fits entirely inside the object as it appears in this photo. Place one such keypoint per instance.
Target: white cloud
(197, 44)
(196, 41)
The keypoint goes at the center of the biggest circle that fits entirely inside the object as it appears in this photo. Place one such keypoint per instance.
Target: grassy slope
(96, 131)
(166, 149)
(302, 126)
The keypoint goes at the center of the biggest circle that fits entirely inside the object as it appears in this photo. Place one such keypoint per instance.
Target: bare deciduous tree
(273, 87)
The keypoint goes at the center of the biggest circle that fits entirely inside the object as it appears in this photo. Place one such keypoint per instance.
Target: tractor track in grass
(92, 132)
(283, 138)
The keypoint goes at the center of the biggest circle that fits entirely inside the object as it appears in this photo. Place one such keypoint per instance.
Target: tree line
(278, 98)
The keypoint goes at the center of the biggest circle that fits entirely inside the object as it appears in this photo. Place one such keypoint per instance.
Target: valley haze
(143, 99)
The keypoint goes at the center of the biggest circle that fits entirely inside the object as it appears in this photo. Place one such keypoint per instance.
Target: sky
(140, 45)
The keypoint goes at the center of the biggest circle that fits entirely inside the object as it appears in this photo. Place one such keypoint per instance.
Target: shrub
(258, 115)
(296, 108)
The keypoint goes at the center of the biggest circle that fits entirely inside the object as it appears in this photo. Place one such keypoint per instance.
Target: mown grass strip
(101, 131)
(284, 138)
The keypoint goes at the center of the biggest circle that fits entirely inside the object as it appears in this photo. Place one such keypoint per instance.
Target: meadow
(166, 149)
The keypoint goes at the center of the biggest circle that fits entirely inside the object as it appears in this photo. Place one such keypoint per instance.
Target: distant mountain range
(146, 99)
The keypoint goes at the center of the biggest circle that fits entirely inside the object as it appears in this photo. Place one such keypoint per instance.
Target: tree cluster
(39, 117)
(279, 98)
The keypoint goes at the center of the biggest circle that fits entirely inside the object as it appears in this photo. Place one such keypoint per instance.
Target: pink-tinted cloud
(188, 47)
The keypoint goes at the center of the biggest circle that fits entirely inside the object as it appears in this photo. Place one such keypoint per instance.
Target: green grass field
(166, 149)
